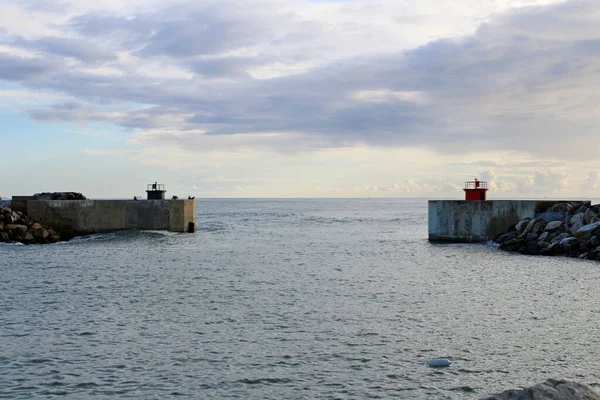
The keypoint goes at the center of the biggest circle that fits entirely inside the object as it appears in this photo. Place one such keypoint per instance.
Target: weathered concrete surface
(552, 389)
(76, 217)
(476, 221)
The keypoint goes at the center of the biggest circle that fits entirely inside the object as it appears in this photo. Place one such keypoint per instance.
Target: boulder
(511, 245)
(9, 218)
(20, 230)
(587, 229)
(536, 225)
(552, 389)
(506, 237)
(581, 209)
(589, 215)
(552, 250)
(558, 238)
(584, 246)
(522, 224)
(551, 216)
(530, 237)
(576, 223)
(38, 231)
(545, 237)
(553, 226)
(568, 243)
(543, 244)
(530, 248)
(561, 207)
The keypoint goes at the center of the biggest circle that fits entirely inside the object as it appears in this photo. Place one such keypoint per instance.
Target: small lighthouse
(155, 191)
(475, 190)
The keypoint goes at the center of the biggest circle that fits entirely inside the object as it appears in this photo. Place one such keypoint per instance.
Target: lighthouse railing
(476, 185)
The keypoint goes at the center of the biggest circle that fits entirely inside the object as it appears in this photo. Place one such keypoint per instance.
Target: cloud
(525, 80)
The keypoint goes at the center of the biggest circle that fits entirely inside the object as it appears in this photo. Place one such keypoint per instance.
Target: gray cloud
(80, 49)
(20, 69)
(527, 81)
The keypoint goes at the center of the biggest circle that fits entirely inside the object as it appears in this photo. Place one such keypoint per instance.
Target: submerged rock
(552, 389)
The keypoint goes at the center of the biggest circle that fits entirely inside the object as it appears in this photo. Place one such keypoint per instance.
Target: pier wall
(477, 221)
(77, 217)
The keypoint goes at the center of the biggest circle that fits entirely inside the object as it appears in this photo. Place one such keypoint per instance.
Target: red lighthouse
(475, 190)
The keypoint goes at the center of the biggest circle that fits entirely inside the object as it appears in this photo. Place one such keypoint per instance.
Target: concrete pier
(81, 217)
(477, 221)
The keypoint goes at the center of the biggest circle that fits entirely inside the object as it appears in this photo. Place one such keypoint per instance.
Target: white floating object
(439, 362)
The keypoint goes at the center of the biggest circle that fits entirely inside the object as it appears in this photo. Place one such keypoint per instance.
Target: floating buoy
(439, 362)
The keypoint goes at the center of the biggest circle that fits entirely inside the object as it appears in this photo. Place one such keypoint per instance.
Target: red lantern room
(475, 190)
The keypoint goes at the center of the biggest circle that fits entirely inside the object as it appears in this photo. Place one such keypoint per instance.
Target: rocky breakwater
(15, 227)
(570, 229)
(59, 196)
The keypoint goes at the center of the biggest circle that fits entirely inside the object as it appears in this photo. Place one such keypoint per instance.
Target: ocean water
(291, 299)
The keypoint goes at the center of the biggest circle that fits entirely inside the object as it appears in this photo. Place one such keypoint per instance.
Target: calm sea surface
(291, 299)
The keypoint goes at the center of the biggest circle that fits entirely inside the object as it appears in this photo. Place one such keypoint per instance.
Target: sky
(300, 98)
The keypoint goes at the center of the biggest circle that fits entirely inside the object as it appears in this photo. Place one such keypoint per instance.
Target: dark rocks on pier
(60, 196)
(571, 229)
(552, 389)
(16, 227)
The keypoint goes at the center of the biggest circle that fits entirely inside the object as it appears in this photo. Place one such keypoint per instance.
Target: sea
(291, 299)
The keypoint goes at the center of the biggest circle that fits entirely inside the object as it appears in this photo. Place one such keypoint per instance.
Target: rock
(586, 229)
(552, 250)
(561, 207)
(522, 224)
(38, 231)
(535, 226)
(28, 238)
(543, 244)
(551, 216)
(592, 255)
(511, 245)
(60, 196)
(589, 215)
(4, 237)
(558, 238)
(568, 243)
(506, 237)
(576, 223)
(530, 237)
(532, 249)
(20, 230)
(553, 226)
(9, 218)
(582, 208)
(552, 389)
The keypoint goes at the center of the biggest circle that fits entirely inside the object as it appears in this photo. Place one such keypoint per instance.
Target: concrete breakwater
(83, 217)
(570, 229)
(479, 221)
